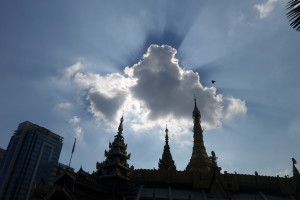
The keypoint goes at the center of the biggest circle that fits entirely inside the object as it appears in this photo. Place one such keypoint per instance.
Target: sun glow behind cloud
(153, 91)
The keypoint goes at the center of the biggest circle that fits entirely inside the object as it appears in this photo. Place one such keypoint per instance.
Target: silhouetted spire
(295, 170)
(166, 162)
(167, 137)
(196, 112)
(115, 163)
(199, 159)
(120, 129)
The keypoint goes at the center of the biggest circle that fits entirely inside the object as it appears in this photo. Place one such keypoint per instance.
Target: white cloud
(64, 105)
(235, 106)
(156, 90)
(70, 71)
(265, 9)
(78, 132)
(74, 120)
(286, 172)
(106, 94)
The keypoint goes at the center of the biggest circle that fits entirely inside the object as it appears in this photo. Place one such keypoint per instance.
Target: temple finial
(167, 137)
(120, 129)
(196, 112)
(295, 170)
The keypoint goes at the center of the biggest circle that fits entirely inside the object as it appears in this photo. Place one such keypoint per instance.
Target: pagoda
(115, 163)
(166, 161)
(199, 160)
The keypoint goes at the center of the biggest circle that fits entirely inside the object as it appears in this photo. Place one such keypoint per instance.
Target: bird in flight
(212, 81)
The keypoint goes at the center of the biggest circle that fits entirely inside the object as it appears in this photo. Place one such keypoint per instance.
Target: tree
(294, 13)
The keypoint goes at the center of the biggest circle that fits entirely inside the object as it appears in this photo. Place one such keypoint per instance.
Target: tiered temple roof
(166, 161)
(115, 163)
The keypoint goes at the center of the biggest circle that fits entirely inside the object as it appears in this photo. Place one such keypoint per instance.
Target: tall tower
(166, 161)
(199, 160)
(115, 164)
(30, 158)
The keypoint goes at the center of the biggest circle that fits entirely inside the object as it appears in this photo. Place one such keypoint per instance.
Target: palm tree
(294, 13)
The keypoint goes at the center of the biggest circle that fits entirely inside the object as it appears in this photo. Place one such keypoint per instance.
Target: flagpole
(72, 152)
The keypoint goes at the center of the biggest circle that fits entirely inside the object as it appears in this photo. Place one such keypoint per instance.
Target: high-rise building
(30, 158)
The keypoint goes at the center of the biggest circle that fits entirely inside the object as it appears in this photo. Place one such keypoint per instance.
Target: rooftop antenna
(72, 152)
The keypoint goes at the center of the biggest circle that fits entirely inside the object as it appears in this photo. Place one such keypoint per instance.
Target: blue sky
(74, 67)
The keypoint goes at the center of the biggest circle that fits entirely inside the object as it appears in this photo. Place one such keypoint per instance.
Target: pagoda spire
(120, 129)
(196, 112)
(115, 164)
(295, 170)
(166, 161)
(199, 160)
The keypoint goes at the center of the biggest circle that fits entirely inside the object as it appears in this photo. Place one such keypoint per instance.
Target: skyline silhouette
(62, 67)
